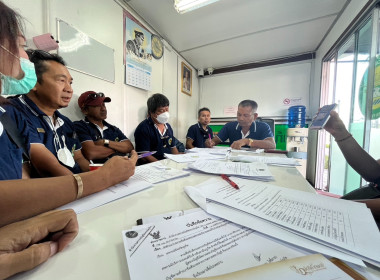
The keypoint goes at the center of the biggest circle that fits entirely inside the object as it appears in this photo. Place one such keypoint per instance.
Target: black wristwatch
(106, 143)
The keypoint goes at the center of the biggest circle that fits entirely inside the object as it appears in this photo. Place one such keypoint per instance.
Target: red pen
(225, 177)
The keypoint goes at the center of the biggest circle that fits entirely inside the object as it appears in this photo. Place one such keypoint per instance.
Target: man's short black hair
(38, 57)
(203, 109)
(139, 34)
(249, 103)
(157, 100)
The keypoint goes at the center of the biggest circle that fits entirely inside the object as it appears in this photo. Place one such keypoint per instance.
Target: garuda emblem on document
(155, 235)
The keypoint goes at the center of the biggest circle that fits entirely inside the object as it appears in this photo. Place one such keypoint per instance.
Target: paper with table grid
(278, 161)
(343, 225)
(254, 170)
(157, 172)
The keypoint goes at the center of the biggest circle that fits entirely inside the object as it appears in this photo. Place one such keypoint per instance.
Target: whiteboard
(270, 87)
(85, 54)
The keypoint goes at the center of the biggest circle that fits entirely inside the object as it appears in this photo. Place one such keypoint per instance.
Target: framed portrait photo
(186, 79)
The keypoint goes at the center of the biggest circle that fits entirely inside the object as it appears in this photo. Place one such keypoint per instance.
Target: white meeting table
(98, 251)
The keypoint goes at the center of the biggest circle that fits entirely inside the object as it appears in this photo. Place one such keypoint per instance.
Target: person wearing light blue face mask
(26, 243)
(14, 86)
(17, 76)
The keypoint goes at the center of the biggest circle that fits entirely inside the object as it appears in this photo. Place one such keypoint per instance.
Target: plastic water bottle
(296, 116)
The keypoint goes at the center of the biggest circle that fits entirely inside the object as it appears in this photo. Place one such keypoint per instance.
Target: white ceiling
(233, 32)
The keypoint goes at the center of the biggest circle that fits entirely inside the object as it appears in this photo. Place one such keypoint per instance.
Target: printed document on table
(216, 150)
(115, 192)
(190, 157)
(278, 161)
(253, 222)
(198, 244)
(254, 170)
(156, 172)
(311, 267)
(340, 224)
(167, 216)
(220, 150)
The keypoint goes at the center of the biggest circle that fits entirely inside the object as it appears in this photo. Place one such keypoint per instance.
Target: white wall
(344, 20)
(268, 86)
(103, 21)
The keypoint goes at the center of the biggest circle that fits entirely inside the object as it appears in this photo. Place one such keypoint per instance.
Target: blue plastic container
(296, 116)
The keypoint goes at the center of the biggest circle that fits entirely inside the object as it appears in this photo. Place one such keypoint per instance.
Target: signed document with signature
(312, 267)
(198, 245)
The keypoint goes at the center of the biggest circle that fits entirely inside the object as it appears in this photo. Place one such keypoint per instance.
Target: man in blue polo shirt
(155, 133)
(100, 140)
(40, 106)
(198, 133)
(246, 131)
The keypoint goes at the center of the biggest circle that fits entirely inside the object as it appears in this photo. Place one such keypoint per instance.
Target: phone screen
(322, 117)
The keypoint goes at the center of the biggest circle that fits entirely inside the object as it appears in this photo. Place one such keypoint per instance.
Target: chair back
(270, 122)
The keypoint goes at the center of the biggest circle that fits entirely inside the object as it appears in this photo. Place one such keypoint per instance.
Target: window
(348, 79)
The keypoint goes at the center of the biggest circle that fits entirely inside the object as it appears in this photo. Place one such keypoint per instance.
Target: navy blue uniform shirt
(232, 131)
(148, 138)
(41, 123)
(10, 153)
(199, 135)
(87, 131)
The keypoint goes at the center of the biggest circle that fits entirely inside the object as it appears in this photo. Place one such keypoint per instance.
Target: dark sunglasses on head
(38, 54)
(94, 95)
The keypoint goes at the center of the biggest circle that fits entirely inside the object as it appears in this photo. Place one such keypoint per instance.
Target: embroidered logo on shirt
(40, 130)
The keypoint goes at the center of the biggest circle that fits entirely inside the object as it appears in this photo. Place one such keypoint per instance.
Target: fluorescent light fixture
(184, 6)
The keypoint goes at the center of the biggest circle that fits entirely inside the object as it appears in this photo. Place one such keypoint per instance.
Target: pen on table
(232, 183)
(146, 154)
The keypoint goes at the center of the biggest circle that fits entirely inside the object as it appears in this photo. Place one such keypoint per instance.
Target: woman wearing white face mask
(155, 133)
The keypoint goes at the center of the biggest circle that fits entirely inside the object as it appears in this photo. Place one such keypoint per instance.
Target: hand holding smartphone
(322, 117)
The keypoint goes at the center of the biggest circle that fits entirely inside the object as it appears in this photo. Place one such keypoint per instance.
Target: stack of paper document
(215, 150)
(156, 172)
(254, 171)
(311, 267)
(190, 157)
(249, 150)
(278, 161)
(128, 187)
(224, 150)
(335, 227)
(197, 245)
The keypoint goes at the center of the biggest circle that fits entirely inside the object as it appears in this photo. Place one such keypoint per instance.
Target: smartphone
(322, 117)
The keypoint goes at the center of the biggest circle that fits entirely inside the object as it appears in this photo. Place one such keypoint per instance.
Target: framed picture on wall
(186, 79)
